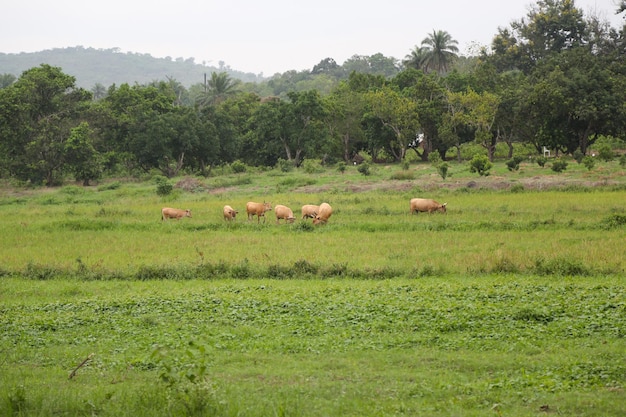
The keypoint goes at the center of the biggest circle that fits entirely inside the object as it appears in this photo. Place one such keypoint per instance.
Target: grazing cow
(426, 205)
(229, 213)
(172, 213)
(259, 209)
(309, 211)
(285, 213)
(323, 214)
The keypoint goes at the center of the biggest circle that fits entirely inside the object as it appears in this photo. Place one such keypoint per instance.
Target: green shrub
(541, 160)
(589, 162)
(481, 165)
(442, 170)
(284, 165)
(341, 167)
(434, 157)
(110, 186)
(559, 165)
(578, 156)
(364, 168)
(622, 160)
(403, 175)
(238, 167)
(513, 163)
(405, 165)
(605, 152)
(561, 267)
(163, 186)
(312, 167)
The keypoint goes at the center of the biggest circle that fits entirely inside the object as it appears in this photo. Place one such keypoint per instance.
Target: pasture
(512, 303)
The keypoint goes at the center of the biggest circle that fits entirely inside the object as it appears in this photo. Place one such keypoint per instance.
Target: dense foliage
(553, 79)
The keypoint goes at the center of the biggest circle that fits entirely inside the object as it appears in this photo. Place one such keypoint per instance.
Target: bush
(559, 165)
(541, 161)
(341, 167)
(442, 169)
(284, 165)
(481, 165)
(238, 167)
(312, 167)
(163, 186)
(403, 175)
(605, 152)
(405, 165)
(434, 157)
(589, 162)
(513, 164)
(622, 160)
(364, 168)
(578, 156)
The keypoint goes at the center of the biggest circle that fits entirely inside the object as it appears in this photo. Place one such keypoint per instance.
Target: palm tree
(416, 58)
(98, 91)
(438, 51)
(218, 88)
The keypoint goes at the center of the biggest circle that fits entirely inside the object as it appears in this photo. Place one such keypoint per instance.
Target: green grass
(511, 304)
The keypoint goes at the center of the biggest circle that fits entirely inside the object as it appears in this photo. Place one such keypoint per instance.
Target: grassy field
(513, 303)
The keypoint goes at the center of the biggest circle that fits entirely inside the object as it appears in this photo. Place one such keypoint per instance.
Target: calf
(259, 209)
(323, 214)
(426, 205)
(229, 213)
(309, 211)
(285, 213)
(172, 213)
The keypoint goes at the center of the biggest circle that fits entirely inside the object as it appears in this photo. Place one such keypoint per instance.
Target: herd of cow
(320, 214)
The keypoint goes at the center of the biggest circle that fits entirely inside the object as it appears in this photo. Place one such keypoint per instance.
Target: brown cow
(172, 213)
(323, 214)
(229, 213)
(426, 205)
(259, 209)
(285, 213)
(309, 211)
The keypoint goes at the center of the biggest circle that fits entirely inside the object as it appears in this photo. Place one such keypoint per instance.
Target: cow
(426, 205)
(229, 213)
(259, 209)
(285, 213)
(172, 213)
(309, 211)
(323, 214)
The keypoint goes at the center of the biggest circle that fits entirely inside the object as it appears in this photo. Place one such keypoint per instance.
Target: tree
(6, 80)
(344, 119)
(478, 111)
(430, 98)
(438, 51)
(397, 113)
(306, 131)
(98, 91)
(37, 113)
(81, 157)
(219, 87)
(550, 27)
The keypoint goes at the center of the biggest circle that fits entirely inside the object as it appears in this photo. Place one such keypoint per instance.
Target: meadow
(512, 303)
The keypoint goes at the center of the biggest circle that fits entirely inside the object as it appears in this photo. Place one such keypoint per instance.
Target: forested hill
(110, 66)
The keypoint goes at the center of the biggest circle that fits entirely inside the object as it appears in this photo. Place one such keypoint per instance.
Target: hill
(91, 66)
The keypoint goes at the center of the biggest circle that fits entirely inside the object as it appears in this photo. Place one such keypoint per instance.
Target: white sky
(261, 36)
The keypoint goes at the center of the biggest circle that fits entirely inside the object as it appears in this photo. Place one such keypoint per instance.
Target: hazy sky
(261, 36)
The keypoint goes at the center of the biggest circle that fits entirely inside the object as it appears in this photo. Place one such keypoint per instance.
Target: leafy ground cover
(430, 346)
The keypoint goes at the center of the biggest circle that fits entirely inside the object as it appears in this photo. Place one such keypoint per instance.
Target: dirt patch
(487, 183)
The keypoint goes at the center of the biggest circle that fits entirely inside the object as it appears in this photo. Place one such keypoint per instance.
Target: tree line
(554, 78)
